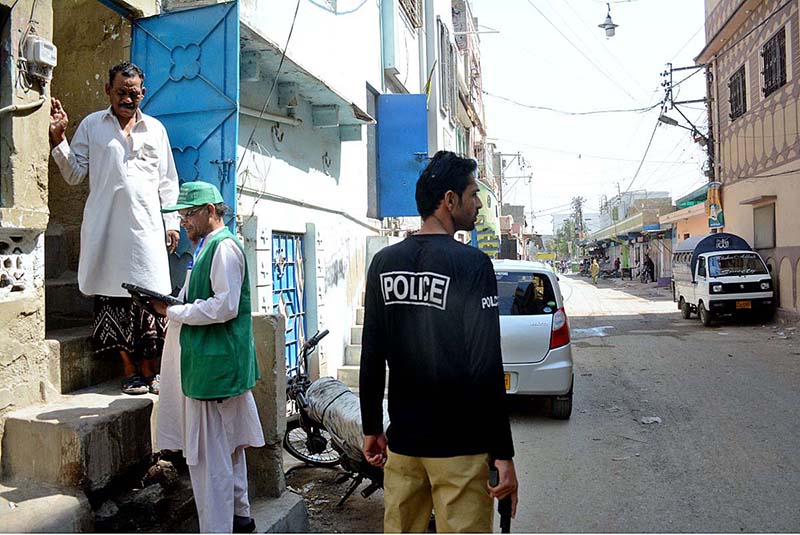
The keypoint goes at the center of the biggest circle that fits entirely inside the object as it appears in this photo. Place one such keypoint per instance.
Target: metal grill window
(413, 10)
(774, 55)
(737, 94)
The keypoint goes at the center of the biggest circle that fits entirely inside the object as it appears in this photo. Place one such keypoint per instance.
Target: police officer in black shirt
(431, 314)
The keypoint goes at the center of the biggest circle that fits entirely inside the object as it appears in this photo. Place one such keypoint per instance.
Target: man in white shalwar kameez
(206, 407)
(127, 157)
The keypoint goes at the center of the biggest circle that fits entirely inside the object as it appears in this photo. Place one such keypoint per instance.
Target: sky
(551, 53)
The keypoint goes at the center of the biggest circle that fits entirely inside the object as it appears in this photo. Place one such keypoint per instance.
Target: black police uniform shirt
(431, 313)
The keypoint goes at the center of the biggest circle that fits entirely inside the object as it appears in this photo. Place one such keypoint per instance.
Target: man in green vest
(206, 407)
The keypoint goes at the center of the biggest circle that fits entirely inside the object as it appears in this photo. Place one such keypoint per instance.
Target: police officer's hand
(507, 485)
(375, 449)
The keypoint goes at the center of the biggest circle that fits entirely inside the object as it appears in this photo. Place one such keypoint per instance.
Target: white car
(534, 333)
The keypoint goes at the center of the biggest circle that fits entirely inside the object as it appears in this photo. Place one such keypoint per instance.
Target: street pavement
(724, 457)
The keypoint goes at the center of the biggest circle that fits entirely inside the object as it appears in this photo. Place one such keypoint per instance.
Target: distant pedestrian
(649, 269)
(207, 408)
(595, 270)
(616, 264)
(128, 159)
(432, 315)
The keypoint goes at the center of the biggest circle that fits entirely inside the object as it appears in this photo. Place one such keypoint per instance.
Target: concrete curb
(287, 514)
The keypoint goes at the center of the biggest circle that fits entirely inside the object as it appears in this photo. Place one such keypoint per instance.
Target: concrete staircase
(348, 373)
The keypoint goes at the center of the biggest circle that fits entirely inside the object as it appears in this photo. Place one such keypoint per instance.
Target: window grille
(412, 10)
(774, 55)
(737, 91)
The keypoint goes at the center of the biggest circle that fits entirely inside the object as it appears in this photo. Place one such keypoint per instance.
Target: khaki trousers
(453, 487)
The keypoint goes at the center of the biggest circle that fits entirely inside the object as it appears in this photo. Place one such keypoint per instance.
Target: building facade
(752, 54)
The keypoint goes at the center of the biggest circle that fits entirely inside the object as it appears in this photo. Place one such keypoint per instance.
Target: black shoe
(243, 524)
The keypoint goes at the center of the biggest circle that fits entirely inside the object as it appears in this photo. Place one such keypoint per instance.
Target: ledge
(759, 199)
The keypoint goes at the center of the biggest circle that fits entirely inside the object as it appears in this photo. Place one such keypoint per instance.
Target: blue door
(402, 152)
(288, 295)
(191, 63)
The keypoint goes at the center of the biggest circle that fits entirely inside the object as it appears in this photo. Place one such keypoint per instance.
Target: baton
(504, 505)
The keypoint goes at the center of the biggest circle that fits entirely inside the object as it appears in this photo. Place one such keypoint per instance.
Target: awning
(260, 58)
(631, 224)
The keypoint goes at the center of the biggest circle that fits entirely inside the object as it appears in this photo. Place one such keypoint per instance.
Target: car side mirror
(769, 268)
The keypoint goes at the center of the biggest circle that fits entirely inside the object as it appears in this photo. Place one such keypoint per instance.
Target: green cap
(195, 194)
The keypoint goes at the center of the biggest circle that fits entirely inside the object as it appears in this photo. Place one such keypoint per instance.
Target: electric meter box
(41, 56)
(41, 51)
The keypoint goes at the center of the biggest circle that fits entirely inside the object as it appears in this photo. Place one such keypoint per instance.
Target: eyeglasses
(190, 213)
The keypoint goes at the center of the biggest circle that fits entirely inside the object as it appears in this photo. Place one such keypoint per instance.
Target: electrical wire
(573, 113)
(577, 154)
(644, 156)
(274, 85)
(609, 78)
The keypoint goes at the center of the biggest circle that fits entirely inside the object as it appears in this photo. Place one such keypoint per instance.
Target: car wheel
(686, 310)
(561, 406)
(703, 314)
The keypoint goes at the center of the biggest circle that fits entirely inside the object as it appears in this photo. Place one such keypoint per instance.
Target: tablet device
(144, 294)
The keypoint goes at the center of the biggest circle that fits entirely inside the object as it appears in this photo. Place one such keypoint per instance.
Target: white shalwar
(131, 176)
(211, 434)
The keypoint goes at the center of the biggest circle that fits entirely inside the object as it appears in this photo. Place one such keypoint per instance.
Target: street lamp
(608, 25)
(699, 137)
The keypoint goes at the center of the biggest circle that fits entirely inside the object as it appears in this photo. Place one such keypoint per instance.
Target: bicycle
(305, 439)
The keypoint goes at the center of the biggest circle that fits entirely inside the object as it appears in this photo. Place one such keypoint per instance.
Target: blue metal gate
(191, 64)
(402, 152)
(288, 291)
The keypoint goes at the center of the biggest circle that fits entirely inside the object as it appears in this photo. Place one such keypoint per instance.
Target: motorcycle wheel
(295, 441)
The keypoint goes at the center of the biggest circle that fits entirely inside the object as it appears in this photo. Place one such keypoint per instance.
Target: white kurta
(130, 178)
(180, 419)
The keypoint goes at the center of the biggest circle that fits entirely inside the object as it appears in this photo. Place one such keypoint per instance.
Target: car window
(525, 294)
(701, 267)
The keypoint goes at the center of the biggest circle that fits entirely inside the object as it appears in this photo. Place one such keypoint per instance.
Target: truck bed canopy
(721, 241)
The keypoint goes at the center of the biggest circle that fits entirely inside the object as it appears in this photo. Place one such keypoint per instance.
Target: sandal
(243, 524)
(134, 385)
(153, 383)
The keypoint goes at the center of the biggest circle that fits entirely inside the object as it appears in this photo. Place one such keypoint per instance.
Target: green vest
(217, 360)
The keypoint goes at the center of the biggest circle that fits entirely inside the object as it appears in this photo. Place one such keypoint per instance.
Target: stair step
(349, 376)
(28, 507)
(80, 369)
(352, 355)
(80, 440)
(355, 334)
(360, 316)
(65, 305)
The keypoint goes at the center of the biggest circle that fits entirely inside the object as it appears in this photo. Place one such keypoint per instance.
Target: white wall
(441, 133)
(284, 185)
(343, 50)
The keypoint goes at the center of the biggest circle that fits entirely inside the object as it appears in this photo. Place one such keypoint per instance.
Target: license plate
(743, 304)
(508, 381)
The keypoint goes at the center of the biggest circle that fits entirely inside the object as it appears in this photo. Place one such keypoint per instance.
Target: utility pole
(704, 139)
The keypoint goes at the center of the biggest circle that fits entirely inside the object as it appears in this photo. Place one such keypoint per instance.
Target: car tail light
(560, 333)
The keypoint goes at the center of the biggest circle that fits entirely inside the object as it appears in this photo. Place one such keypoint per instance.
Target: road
(723, 459)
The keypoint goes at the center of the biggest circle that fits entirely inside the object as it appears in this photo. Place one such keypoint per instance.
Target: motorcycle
(323, 425)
